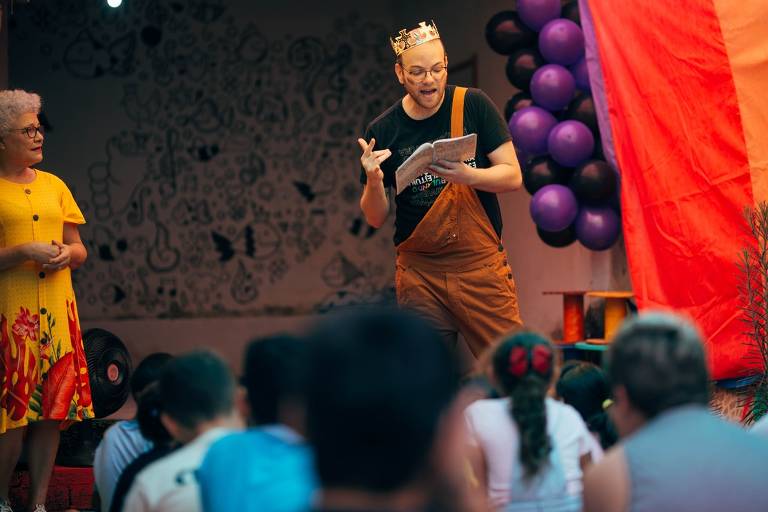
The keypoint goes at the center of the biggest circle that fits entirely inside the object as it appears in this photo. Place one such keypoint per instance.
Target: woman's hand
(62, 260)
(41, 252)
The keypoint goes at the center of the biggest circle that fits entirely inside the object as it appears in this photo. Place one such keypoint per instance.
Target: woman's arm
(36, 251)
(12, 256)
(76, 246)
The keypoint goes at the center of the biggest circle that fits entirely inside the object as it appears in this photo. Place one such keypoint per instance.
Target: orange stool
(615, 312)
(573, 315)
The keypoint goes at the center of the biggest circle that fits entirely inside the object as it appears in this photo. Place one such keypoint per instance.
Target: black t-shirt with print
(396, 131)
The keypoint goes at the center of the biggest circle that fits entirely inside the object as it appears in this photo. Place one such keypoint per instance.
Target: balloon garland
(553, 124)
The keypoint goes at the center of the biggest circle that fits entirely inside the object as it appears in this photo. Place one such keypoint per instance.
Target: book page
(457, 149)
(413, 166)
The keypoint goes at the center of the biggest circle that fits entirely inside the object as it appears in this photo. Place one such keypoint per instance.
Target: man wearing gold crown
(451, 266)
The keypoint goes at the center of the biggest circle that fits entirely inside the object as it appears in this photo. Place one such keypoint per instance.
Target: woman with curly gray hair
(43, 372)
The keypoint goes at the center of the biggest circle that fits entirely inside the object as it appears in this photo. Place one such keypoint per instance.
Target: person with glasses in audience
(451, 266)
(44, 383)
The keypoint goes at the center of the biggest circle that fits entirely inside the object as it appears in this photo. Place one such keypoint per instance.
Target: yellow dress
(43, 370)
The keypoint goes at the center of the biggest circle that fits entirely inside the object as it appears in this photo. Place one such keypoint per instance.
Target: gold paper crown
(409, 38)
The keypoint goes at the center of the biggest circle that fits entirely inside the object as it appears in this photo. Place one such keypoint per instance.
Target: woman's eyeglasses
(31, 131)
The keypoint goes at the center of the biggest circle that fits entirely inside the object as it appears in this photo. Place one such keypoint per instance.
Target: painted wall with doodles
(211, 147)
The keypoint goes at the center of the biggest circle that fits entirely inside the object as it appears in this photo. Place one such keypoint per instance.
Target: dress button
(501, 248)
(41, 275)
(509, 276)
(43, 311)
(35, 217)
(27, 191)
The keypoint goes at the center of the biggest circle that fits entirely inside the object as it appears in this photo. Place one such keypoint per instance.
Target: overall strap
(457, 112)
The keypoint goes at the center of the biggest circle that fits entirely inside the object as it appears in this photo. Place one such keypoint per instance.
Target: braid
(523, 366)
(530, 415)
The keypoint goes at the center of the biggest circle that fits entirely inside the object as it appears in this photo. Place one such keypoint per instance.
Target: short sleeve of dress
(69, 208)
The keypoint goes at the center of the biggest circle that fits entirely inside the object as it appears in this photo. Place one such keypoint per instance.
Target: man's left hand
(454, 172)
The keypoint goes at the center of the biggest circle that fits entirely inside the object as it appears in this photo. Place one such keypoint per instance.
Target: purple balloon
(552, 87)
(580, 73)
(561, 42)
(570, 143)
(554, 207)
(597, 228)
(530, 127)
(536, 13)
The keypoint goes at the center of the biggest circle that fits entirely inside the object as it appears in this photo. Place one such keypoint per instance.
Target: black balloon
(594, 182)
(571, 12)
(615, 201)
(505, 33)
(542, 171)
(582, 108)
(558, 238)
(598, 153)
(522, 65)
(516, 102)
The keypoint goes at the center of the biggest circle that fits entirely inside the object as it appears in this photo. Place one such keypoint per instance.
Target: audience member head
(149, 410)
(656, 362)
(273, 376)
(381, 387)
(13, 104)
(584, 386)
(479, 384)
(522, 366)
(197, 392)
(147, 372)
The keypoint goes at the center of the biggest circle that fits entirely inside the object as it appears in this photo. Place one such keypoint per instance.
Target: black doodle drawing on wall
(87, 58)
(232, 165)
(161, 255)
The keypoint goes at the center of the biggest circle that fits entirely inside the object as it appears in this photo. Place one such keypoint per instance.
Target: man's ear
(400, 73)
(620, 396)
(173, 428)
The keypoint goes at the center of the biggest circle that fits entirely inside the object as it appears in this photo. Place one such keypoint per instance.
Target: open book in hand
(457, 149)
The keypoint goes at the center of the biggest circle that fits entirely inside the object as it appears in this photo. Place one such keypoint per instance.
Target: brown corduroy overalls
(453, 269)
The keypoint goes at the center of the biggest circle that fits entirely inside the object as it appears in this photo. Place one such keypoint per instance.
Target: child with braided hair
(529, 449)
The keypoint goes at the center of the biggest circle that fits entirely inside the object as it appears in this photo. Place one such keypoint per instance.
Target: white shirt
(170, 485)
(492, 428)
(595, 448)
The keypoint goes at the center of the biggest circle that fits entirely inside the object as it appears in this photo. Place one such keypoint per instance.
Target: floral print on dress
(61, 390)
(18, 368)
(26, 325)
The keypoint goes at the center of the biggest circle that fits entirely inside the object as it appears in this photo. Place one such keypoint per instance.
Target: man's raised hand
(371, 160)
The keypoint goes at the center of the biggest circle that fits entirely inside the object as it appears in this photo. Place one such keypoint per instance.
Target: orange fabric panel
(744, 25)
(685, 174)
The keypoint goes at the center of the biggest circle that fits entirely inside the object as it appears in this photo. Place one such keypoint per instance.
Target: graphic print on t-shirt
(423, 191)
